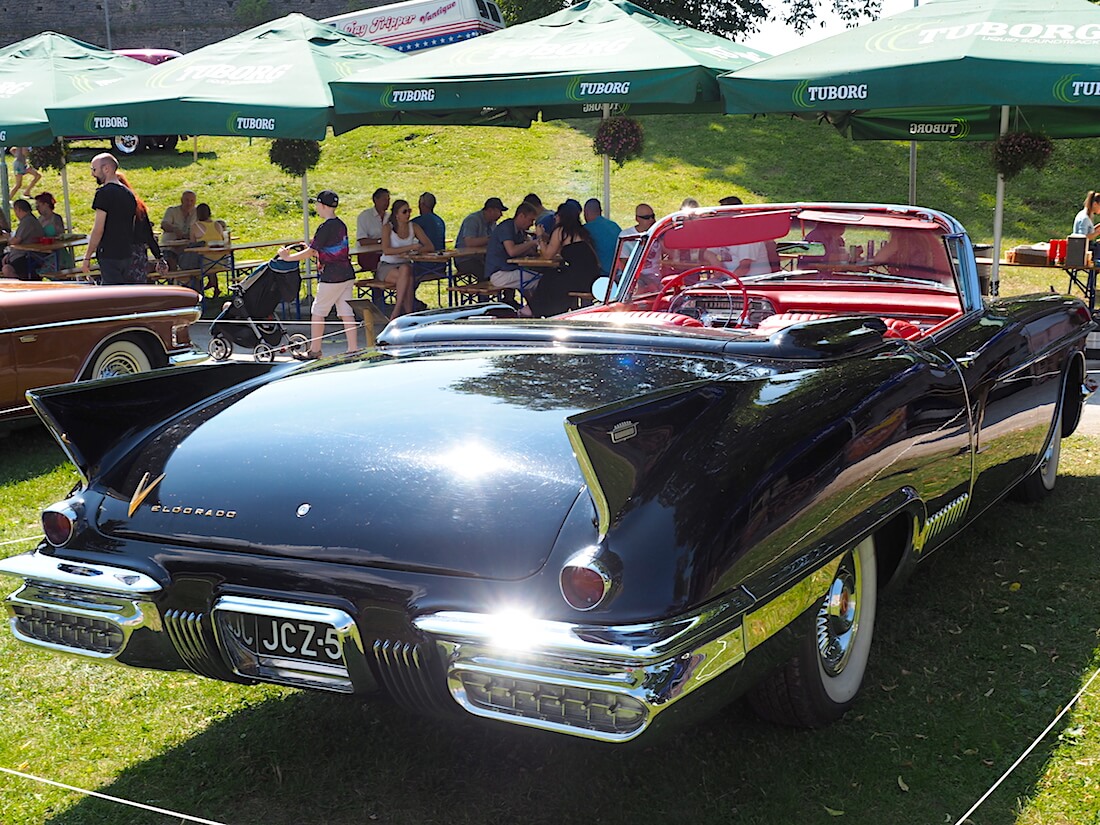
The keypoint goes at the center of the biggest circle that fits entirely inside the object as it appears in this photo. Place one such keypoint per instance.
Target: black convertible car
(594, 524)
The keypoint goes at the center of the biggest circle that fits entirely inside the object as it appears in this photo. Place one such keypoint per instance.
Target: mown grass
(973, 656)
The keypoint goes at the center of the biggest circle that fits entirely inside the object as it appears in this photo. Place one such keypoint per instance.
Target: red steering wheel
(675, 282)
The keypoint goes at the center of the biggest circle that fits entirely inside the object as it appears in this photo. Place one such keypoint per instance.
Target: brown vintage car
(54, 333)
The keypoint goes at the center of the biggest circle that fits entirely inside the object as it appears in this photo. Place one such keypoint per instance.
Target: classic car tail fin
(619, 446)
(88, 418)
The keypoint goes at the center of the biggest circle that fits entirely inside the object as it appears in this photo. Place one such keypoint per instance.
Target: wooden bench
(74, 274)
(175, 276)
(478, 292)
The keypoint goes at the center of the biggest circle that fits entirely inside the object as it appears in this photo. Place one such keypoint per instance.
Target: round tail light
(585, 582)
(58, 524)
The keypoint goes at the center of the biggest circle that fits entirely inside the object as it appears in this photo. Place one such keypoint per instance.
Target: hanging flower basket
(620, 138)
(1015, 151)
(51, 156)
(295, 157)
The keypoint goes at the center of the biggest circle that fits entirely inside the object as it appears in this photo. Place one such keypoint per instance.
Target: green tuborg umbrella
(949, 69)
(46, 69)
(568, 64)
(963, 123)
(943, 53)
(270, 81)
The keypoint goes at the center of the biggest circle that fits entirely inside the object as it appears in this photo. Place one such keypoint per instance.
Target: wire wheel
(120, 358)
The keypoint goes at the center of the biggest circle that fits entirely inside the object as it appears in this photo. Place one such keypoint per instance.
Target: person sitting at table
(144, 240)
(176, 225)
(19, 263)
(604, 232)
(831, 237)
(545, 217)
(914, 253)
(52, 225)
(1083, 224)
(400, 238)
(474, 234)
(206, 231)
(579, 266)
(368, 228)
(436, 230)
(510, 240)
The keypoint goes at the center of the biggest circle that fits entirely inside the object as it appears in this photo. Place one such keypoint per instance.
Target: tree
(726, 18)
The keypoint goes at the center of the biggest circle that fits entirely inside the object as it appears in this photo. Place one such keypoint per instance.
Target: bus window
(481, 10)
(494, 12)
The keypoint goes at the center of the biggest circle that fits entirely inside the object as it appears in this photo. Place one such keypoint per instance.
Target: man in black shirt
(113, 230)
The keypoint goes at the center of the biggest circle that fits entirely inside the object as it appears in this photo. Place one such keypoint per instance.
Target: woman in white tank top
(400, 238)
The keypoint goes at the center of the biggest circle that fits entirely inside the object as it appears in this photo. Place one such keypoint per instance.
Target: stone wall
(183, 25)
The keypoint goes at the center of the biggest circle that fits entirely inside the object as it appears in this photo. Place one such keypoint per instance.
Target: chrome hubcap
(838, 619)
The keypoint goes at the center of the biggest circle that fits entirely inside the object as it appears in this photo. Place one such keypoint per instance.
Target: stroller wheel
(263, 353)
(219, 348)
(298, 343)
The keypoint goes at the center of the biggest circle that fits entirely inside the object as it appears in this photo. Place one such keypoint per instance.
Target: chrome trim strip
(130, 316)
(945, 518)
(187, 359)
(764, 622)
(588, 472)
(654, 664)
(37, 567)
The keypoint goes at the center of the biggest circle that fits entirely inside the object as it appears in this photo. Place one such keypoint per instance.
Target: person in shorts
(334, 287)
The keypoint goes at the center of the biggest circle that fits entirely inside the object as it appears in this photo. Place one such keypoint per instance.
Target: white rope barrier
(110, 798)
(1029, 749)
(20, 541)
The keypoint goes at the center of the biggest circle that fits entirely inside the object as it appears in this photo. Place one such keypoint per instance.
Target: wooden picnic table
(62, 242)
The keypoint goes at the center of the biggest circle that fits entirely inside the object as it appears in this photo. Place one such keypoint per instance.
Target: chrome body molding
(765, 622)
(598, 682)
(947, 516)
(188, 358)
(127, 316)
(85, 609)
(35, 566)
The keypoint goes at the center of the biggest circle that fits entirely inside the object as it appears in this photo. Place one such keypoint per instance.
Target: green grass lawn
(973, 657)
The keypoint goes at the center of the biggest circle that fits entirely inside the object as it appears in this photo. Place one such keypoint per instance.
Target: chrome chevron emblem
(144, 488)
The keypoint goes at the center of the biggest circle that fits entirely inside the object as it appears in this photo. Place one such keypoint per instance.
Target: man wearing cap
(474, 234)
(330, 247)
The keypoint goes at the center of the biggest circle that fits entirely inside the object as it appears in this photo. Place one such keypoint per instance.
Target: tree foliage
(726, 18)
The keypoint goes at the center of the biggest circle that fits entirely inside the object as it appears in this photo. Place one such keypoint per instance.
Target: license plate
(297, 639)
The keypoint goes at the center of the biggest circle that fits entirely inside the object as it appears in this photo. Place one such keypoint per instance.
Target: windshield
(794, 244)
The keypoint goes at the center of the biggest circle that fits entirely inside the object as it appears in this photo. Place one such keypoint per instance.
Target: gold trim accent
(142, 492)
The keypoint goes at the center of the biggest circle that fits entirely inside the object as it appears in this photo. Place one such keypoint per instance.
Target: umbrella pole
(65, 187)
(998, 220)
(4, 190)
(195, 147)
(912, 173)
(305, 225)
(606, 170)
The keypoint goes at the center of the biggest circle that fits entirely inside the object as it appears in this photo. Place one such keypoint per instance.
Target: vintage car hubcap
(120, 363)
(838, 620)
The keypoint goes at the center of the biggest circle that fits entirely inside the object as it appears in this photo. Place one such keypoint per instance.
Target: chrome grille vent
(575, 707)
(413, 675)
(727, 308)
(193, 639)
(68, 630)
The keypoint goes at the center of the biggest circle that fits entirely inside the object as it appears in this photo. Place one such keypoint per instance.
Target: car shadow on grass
(973, 657)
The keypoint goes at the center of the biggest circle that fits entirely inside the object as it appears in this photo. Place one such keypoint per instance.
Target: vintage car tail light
(585, 580)
(59, 523)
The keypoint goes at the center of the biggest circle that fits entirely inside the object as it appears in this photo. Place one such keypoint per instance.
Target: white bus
(422, 24)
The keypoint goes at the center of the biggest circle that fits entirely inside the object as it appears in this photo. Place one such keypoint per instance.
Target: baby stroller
(248, 319)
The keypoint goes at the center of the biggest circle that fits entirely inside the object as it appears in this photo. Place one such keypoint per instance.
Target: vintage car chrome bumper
(602, 682)
(188, 358)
